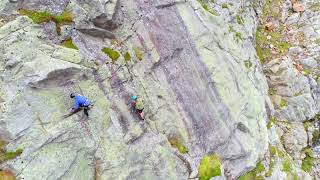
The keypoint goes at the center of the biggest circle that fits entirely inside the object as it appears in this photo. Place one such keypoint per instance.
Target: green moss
(253, 174)
(272, 9)
(308, 161)
(127, 56)
(274, 152)
(248, 64)
(210, 166)
(41, 17)
(113, 55)
(272, 91)
(225, 5)
(9, 155)
(306, 125)
(2, 145)
(283, 103)
(315, 7)
(238, 35)
(317, 41)
(315, 136)
(283, 46)
(239, 20)
(205, 7)
(138, 53)
(271, 166)
(271, 122)
(69, 44)
(306, 71)
(286, 165)
(263, 53)
(176, 143)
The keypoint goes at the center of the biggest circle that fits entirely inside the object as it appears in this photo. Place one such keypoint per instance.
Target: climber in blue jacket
(81, 102)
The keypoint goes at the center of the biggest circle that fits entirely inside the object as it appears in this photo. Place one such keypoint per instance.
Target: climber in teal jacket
(81, 101)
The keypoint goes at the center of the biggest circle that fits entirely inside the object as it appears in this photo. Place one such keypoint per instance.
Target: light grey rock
(295, 140)
(309, 63)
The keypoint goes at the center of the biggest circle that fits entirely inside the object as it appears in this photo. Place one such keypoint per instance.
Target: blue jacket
(80, 101)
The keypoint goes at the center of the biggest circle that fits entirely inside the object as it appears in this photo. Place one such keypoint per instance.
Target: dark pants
(85, 110)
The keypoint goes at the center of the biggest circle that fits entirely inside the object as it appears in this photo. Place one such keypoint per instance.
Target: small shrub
(210, 166)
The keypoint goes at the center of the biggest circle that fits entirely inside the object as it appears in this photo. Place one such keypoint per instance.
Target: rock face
(195, 65)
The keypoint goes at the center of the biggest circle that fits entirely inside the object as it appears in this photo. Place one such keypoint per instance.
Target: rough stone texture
(292, 88)
(199, 76)
(294, 140)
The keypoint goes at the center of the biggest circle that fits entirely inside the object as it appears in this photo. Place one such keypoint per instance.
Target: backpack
(139, 104)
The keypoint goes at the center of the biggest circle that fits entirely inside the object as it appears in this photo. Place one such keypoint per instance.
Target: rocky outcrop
(193, 62)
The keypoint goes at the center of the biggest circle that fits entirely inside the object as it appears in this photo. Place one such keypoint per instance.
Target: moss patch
(42, 17)
(254, 173)
(283, 103)
(315, 136)
(239, 20)
(69, 44)
(274, 152)
(205, 7)
(138, 53)
(308, 161)
(286, 165)
(113, 55)
(7, 155)
(248, 64)
(271, 122)
(225, 5)
(210, 166)
(10, 155)
(127, 56)
(238, 35)
(176, 143)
